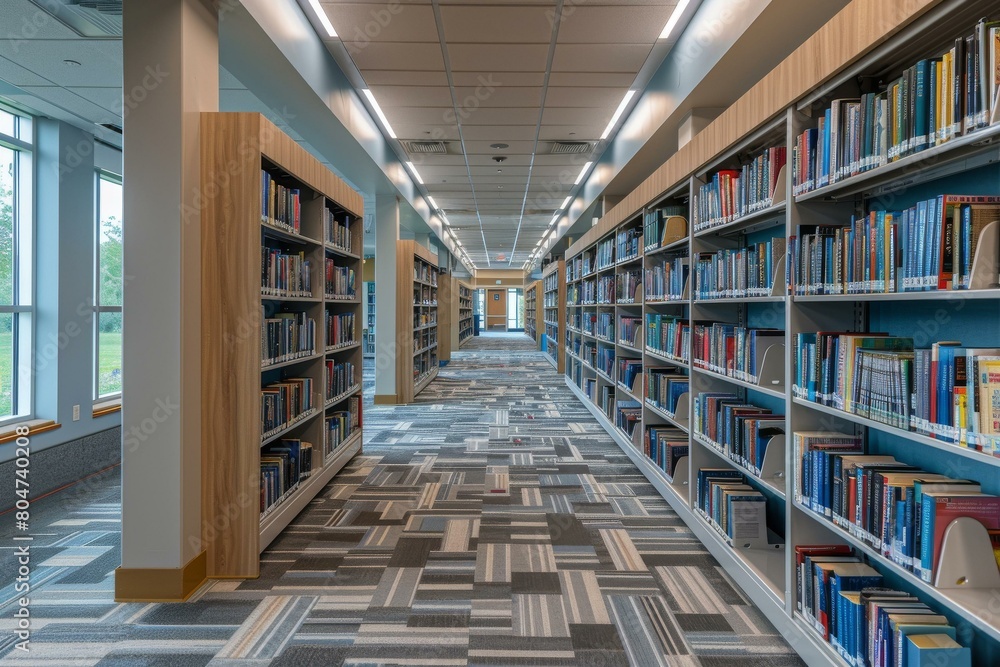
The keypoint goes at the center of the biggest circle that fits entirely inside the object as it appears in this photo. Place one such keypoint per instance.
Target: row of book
(340, 425)
(932, 102)
(580, 266)
(628, 371)
(629, 328)
(654, 222)
(628, 243)
(424, 319)
(899, 510)
(338, 232)
(605, 256)
(606, 289)
(605, 360)
(424, 295)
(340, 329)
(628, 415)
(739, 273)
(627, 286)
(424, 272)
(604, 326)
(669, 336)
(868, 624)
(734, 193)
(665, 446)
(947, 392)
(423, 365)
(550, 285)
(424, 340)
(284, 275)
(667, 279)
(282, 466)
(280, 206)
(340, 377)
(282, 403)
(340, 281)
(733, 351)
(927, 247)
(664, 387)
(730, 505)
(740, 430)
(287, 336)
(588, 292)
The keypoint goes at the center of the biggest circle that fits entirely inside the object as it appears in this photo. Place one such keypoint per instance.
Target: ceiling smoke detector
(499, 147)
(499, 158)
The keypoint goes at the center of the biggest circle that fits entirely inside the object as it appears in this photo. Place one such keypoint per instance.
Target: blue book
(921, 120)
(935, 649)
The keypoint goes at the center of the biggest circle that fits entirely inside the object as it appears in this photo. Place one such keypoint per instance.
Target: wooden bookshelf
(533, 312)
(466, 329)
(553, 309)
(966, 164)
(237, 311)
(417, 324)
(450, 314)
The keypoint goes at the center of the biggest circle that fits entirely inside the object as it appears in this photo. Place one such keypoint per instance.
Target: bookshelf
(281, 334)
(466, 329)
(533, 312)
(416, 318)
(773, 275)
(369, 331)
(553, 308)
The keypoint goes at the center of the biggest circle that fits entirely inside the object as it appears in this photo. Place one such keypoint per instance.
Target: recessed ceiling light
(618, 113)
(582, 172)
(499, 147)
(378, 110)
(413, 170)
(323, 18)
(72, 63)
(675, 16)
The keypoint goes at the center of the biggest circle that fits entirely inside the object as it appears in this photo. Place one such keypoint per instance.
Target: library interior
(577, 333)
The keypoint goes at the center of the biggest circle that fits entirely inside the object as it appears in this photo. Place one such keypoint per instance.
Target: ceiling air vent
(570, 147)
(427, 147)
(89, 18)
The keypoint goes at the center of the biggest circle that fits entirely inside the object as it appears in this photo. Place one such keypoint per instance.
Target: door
(496, 309)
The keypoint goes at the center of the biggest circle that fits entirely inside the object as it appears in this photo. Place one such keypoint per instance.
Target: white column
(171, 65)
(386, 345)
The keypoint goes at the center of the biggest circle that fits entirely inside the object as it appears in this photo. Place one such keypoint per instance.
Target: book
(935, 649)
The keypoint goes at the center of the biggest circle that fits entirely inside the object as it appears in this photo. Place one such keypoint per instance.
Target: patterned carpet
(492, 522)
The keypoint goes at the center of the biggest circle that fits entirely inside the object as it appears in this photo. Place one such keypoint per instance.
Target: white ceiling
(474, 74)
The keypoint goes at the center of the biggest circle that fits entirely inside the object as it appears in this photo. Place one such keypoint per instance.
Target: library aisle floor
(493, 522)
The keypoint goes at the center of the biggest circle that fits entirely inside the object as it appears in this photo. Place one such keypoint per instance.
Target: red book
(937, 513)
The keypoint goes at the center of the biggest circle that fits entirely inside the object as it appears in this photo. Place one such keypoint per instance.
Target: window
(515, 309)
(108, 285)
(16, 284)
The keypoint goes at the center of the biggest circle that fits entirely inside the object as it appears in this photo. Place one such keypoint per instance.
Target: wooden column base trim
(386, 399)
(168, 584)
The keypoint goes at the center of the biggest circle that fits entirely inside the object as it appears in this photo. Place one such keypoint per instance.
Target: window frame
(98, 309)
(24, 285)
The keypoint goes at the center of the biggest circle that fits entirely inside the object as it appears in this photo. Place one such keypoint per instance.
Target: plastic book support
(680, 478)
(771, 373)
(778, 285)
(778, 196)
(986, 263)
(681, 409)
(966, 559)
(674, 230)
(772, 468)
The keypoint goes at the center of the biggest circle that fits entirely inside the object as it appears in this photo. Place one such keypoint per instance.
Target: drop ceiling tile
(571, 132)
(487, 160)
(597, 79)
(480, 147)
(554, 116)
(484, 57)
(599, 57)
(427, 132)
(474, 79)
(591, 98)
(68, 101)
(16, 75)
(481, 24)
(615, 24)
(495, 92)
(24, 20)
(491, 116)
(381, 77)
(499, 133)
(398, 56)
(363, 24)
(437, 174)
(508, 170)
(412, 96)
(421, 160)
(100, 60)
(418, 115)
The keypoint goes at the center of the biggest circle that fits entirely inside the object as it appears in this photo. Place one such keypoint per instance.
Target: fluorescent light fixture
(381, 116)
(458, 242)
(445, 221)
(323, 18)
(565, 204)
(539, 243)
(618, 113)
(582, 172)
(413, 170)
(430, 200)
(675, 16)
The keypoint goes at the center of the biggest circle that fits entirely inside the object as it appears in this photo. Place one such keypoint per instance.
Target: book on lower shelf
(665, 446)
(739, 273)
(666, 279)
(282, 403)
(286, 336)
(282, 466)
(341, 425)
(284, 273)
(737, 352)
(340, 281)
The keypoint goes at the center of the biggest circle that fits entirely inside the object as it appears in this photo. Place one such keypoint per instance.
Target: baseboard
(386, 399)
(55, 467)
(167, 584)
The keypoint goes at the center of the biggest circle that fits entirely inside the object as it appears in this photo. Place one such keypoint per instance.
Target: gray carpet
(492, 522)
